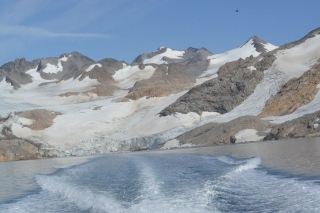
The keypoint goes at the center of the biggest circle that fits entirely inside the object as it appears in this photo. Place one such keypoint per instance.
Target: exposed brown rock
(102, 75)
(167, 79)
(222, 133)
(42, 118)
(229, 66)
(17, 149)
(224, 93)
(67, 94)
(294, 94)
(305, 126)
(103, 90)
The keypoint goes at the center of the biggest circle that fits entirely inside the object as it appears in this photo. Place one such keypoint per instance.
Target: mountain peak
(162, 47)
(260, 45)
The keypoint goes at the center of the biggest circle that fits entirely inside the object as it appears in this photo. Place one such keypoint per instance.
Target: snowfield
(87, 124)
(129, 75)
(244, 51)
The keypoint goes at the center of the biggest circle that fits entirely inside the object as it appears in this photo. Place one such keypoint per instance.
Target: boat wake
(141, 183)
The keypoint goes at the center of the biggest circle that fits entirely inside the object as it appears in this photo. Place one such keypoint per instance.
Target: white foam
(93, 201)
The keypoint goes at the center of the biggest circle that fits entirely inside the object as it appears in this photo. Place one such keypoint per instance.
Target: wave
(83, 197)
(247, 189)
(174, 184)
(230, 160)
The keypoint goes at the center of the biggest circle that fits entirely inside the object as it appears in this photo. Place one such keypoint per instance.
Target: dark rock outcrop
(232, 87)
(220, 94)
(111, 65)
(15, 71)
(223, 133)
(259, 44)
(305, 126)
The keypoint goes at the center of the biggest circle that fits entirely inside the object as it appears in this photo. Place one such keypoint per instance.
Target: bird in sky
(237, 10)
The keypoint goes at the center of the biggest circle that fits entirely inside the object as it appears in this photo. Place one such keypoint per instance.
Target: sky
(123, 29)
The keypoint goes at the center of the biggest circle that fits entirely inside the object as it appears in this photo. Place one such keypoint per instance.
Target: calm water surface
(280, 176)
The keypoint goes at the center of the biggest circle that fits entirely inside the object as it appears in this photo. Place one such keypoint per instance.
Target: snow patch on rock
(170, 53)
(217, 60)
(247, 135)
(129, 75)
(92, 66)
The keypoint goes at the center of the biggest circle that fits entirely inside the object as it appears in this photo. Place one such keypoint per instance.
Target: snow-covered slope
(169, 53)
(87, 122)
(244, 51)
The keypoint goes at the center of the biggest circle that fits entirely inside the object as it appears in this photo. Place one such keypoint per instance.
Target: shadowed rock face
(232, 87)
(111, 65)
(305, 126)
(294, 94)
(224, 93)
(173, 77)
(195, 59)
(222, 133)
(101, 74)
(14, 72)
(75, 66)
(167, 79)
(72, 68)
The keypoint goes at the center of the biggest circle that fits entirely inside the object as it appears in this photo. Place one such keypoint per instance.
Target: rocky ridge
(153, 84)
(305, 126)
(224, 133)
(236, 81)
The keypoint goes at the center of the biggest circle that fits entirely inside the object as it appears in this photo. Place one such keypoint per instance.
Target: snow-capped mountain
(73, 105)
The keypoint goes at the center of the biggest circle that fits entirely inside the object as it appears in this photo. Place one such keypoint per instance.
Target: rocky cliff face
(16, 149)
(234, 84)
(75, 99)
(224, 133)
(238, 79)
(167, 79)
(305, 126)
(294, 94)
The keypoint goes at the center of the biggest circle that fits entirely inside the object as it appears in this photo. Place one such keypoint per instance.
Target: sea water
(279, 176)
